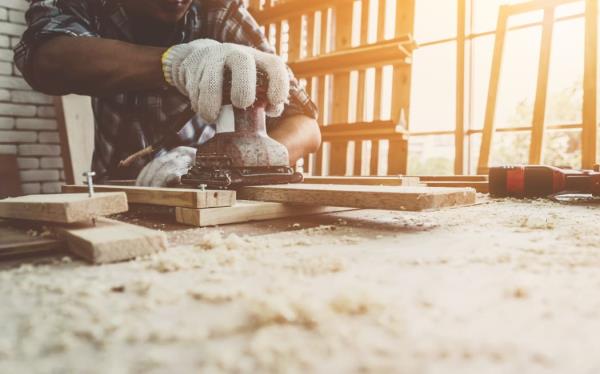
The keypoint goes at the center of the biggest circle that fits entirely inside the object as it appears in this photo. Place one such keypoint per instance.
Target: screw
(202, 187)
(88, 175)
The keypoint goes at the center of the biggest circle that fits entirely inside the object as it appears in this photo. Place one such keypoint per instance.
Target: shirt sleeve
(234, 24)
(49, 18)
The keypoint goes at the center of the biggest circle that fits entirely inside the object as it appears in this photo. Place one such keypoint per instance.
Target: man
(149, 66)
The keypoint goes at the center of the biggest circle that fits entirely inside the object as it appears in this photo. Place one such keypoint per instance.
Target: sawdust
(509, 286)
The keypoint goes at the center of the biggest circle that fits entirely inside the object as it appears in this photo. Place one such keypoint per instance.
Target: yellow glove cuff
(165, 66)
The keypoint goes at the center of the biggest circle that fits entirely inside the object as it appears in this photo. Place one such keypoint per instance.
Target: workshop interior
(249, 186)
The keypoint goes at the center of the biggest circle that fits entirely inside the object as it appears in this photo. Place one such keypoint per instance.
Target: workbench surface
(502, 286)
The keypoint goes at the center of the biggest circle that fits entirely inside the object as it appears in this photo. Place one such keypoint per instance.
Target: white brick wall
(28, 127)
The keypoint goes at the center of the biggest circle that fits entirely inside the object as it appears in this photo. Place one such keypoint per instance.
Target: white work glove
(167, 169)
(196, 70)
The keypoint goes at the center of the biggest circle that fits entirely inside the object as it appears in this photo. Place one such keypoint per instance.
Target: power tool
(241, 153)
(535, 181)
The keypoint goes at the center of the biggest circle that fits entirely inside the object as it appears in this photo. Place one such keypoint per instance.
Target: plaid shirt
(129, 121)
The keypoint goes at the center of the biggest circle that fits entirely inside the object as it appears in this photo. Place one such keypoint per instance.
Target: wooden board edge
(82, 247)
(271, 210)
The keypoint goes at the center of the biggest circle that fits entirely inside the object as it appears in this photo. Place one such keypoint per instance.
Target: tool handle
(262, 84)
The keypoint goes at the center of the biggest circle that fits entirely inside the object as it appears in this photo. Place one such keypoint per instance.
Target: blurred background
(403, 87)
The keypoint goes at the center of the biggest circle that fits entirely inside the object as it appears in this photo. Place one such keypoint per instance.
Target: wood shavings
(441, 292)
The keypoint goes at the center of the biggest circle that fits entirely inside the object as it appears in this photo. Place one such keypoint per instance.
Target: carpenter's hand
(196, 69)
(167, 169)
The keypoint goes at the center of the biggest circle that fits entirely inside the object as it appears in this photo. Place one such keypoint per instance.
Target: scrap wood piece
(184, 197)
(365, 180)
(63, 208)
(246, 211)
(111, 241)
(18, 243)
(358, 196)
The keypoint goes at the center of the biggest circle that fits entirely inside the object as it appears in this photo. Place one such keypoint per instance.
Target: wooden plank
(247, 211)
(397, 156)
(490, 111)
(401, 81)
(292, 8)
(76, 130)
(322, 99)
(357, 165)
(368, 197)
(63, 208)
(294, 38)
(451, 178)
(384, 129)
(341, 89)
(374, 162)
(539, 109)
(379, 71)
(185, 197)
(338, 153)
(388, 52)
(459, 135)
(318, 170)
(324, 29)
(10, 179)
(364, 31)
(16, 243)
(277, 40)
(310, 34)
(367, 180)
(111, 241)
(590, 89)
(529, 6)
(481, 187)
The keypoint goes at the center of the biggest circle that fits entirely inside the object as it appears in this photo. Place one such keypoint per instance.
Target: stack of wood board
(78, 219)
(194, 207)
(209, 208)
(182, 197)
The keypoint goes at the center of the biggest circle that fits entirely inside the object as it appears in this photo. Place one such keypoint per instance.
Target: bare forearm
(300, 134)
(94, 66)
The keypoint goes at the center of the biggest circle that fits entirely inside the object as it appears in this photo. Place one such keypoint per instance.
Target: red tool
(541, 181)
(242, 153)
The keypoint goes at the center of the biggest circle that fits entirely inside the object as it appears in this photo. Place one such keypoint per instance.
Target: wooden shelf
(292, 8)
(389, 52)
(363, 130)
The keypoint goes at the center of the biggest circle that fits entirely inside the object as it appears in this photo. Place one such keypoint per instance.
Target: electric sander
(535, 181)
(241, 153)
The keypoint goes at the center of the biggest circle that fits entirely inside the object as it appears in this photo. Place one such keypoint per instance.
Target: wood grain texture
(111, 241)
(185, 197)
(368, 197)
(63, 208)
(246, 211)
